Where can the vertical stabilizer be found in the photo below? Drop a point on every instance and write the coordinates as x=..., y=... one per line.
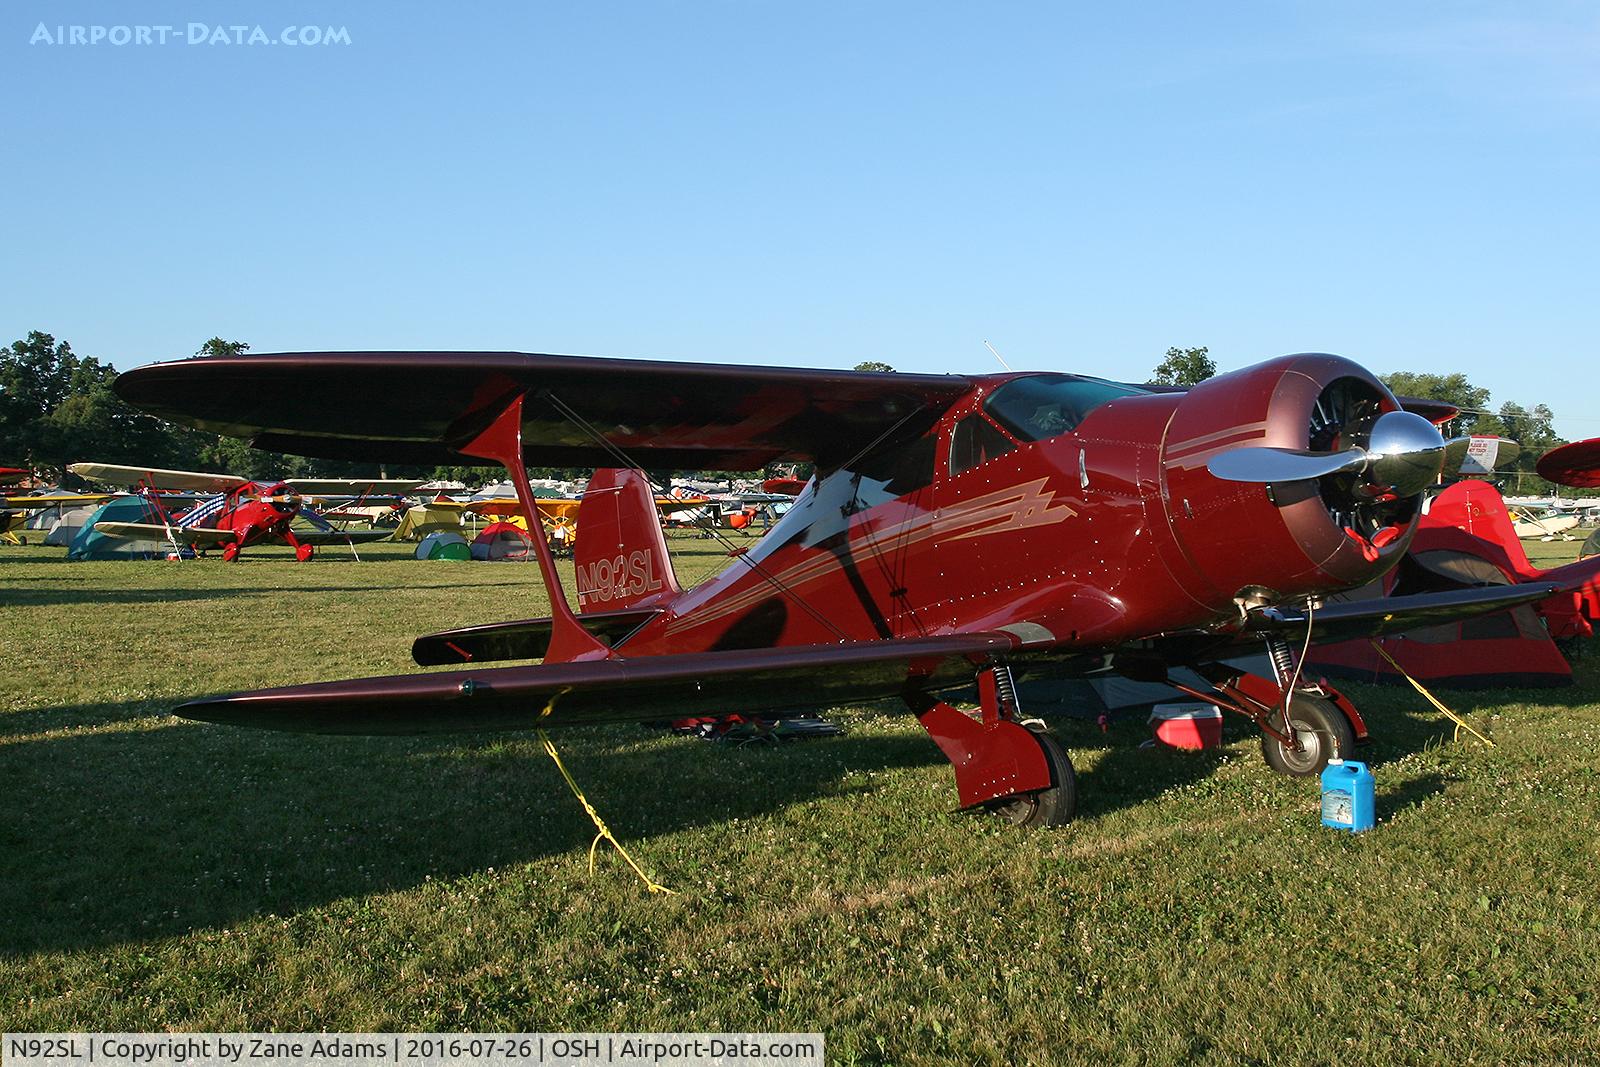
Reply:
x=621, y=554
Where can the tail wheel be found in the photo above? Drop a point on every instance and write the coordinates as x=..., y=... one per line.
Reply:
x=1322, y=730
x=1049, y=807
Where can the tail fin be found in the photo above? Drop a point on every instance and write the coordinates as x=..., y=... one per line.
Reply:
x=621, y=552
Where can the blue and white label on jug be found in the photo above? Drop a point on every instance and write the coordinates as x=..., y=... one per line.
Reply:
x=1338, y=806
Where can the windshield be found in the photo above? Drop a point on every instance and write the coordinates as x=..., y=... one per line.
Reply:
x=1048, y=405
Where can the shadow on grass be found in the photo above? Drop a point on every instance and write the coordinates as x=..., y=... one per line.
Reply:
x=30, y=597
x=146, y=834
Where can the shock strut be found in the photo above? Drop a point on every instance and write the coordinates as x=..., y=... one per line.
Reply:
x=1282, y=659
x=1005, y=688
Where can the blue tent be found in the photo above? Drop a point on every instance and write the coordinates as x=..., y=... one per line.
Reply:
x=91, y=544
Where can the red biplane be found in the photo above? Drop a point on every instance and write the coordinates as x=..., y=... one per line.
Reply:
x=960, y=531
x=242, y=512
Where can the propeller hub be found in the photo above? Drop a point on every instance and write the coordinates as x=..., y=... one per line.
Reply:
x=1405, y=454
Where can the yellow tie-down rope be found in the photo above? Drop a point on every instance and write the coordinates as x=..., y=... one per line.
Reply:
x=1461, y=724
x=599, y=823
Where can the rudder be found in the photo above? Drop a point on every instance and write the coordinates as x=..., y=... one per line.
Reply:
x=621, y=554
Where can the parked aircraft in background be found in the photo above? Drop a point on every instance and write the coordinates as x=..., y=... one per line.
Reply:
x=241, y=512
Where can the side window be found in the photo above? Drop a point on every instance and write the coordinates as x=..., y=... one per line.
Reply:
x=975, y=440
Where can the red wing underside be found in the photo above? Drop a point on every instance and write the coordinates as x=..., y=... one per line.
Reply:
x=753, y=681
x=423, y=407
x=1577, y=464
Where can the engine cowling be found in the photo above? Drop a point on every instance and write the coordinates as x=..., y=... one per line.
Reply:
x=1321, y=478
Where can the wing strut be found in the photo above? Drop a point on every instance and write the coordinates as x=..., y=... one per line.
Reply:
x=502, y=443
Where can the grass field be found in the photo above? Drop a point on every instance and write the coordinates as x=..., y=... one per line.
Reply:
x=159, y=873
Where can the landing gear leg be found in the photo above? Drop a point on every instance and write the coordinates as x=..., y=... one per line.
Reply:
x=1020, y=774
x=302, y=551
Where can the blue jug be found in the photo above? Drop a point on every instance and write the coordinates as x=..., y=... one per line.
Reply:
x=1347, y=796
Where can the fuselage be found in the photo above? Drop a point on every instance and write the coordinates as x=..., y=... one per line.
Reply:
x=1065, y=510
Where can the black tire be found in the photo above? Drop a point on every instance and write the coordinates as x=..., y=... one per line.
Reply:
x=1048, y=807
x=1323, y=732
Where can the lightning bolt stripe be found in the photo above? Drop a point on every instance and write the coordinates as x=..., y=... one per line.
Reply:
x=1017, y=507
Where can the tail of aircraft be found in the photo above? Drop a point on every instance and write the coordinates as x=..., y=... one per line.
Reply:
x=621, y=554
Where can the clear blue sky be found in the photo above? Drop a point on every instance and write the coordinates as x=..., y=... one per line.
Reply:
x=1084, y=184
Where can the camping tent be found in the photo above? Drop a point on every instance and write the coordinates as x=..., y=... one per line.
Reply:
x=89, y=543
x=60, y=522
x=442, y=544
x=1466, y=541
x=420, y=520
x=502, y=541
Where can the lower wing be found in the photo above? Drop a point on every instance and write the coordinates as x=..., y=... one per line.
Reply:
x=341, y=537
x=186, y=535
x=614, y=690
x=1387, y=615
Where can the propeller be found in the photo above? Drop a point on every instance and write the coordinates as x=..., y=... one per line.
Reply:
x=1403, y=456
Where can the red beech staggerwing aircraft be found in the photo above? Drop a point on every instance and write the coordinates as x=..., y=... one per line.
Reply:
x=243, y=512
x=960, y=531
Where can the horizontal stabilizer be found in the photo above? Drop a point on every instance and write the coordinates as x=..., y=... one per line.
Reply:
x=743, y=681
x=528, y=639
x=1387, y=615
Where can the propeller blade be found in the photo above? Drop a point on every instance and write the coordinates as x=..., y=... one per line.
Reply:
x=1282, y=464
x=1455, y=454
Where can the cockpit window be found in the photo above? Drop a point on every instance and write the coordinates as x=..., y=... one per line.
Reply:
x=974, y=441
x=1041, y=406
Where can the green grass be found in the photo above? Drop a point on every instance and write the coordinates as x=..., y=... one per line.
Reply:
x=165, y=874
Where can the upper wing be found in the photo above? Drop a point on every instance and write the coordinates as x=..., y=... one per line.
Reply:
x=613, y=690
x=154, y=531
x=1437, y=412
x=354, y=487
x=422, y=407
x=50, y=500
x=116, y=474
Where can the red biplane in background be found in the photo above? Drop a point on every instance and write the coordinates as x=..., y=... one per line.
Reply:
x=242, y=512
x=960, y=532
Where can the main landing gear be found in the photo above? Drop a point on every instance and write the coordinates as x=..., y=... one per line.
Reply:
x=1320, y=732
x=1322, y=722
x=1019, y=773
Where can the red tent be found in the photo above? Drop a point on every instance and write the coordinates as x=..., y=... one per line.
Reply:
x=502, y=540
x=1466, y=540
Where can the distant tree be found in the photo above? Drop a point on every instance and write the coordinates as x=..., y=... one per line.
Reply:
x=1451, y=389
x=1185, y=366
x=218, y=347
x=872, y=364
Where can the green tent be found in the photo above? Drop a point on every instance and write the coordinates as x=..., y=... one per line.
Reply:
x=92, y=544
